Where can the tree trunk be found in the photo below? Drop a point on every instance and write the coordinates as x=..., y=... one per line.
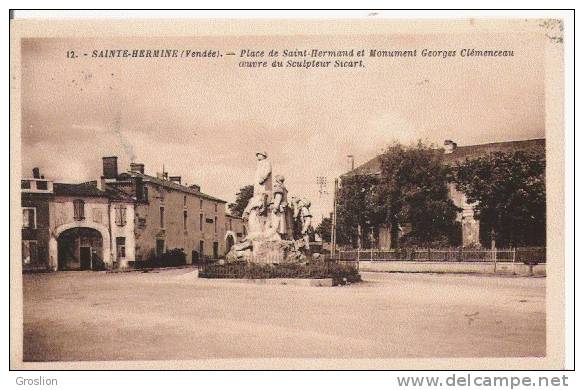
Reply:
x=394, y=235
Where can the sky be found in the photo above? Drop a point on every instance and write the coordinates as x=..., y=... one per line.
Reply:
x=204, y=119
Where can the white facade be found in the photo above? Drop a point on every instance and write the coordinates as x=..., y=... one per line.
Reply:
x=124, y=230
x=99, y=215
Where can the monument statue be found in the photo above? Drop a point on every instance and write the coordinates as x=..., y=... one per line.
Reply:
x=306, y=222
x=263, y=175
x=278, y=231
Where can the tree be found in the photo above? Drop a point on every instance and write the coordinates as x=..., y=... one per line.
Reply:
x=413, y=190
x=509, y=191
x=324, y=229
x=356, y=208
x=242, y=198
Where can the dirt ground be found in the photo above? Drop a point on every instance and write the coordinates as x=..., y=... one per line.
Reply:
x=171, y=314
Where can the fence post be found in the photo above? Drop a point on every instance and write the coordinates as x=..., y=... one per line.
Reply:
x=358, y=254
x=429, y=254
x=494, y=256
x=371, y=253
x=514, y=252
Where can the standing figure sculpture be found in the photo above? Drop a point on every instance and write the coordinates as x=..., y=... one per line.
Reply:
x=277, y=231
x=306, y=222
x=280, y=213
x=255, y=211
x=263, y=175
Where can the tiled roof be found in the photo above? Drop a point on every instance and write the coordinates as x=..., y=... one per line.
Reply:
x=83, y=189
x=175, y=186
x=118, y=195
x=373, y=166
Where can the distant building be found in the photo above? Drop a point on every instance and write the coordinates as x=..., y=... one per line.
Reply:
x=36, y=194
x=123, y=219
x=169, y=215
x=453, y=154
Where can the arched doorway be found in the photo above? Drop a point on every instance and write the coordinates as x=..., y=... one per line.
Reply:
x=229, y=241
x=80, y=248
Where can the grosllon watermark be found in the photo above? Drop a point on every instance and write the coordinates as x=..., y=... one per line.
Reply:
x=468, y=380
x=38, y=381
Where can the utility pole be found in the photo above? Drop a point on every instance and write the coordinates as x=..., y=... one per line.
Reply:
x=321, y=181
x=334, y=221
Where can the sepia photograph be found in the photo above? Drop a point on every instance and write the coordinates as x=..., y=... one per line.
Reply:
x=287, y=194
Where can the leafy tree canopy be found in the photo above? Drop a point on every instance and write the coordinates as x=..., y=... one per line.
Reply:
x=510, y=196
x=242, y=198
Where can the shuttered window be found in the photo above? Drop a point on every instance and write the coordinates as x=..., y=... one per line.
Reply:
x=78, y=209
x=120, y=215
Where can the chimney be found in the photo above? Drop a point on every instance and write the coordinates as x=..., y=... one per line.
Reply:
x=36, y=173
x=449, y=146
x=350, y=162
x=137, y=167
x=175, y=179
x=195, y=187
x=110, y=167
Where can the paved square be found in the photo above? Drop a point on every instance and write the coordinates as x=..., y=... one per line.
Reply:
x=170, y=314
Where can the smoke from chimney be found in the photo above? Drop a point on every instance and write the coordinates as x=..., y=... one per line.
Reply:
x=137, y=167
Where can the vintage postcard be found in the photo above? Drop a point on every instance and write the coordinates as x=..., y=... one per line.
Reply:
x=287, y=194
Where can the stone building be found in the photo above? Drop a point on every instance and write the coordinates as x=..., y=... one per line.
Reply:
x=124, y=218
x=169, y=215
x=90, y=228
x=453, y=154
x=36, y=194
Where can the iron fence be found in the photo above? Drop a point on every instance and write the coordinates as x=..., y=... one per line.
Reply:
x=533, y=255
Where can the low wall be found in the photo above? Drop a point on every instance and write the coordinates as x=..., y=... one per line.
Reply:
x=451, y=267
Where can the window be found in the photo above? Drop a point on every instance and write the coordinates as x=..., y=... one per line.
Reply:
x=146, y=193
x=42, y=185
x=120, y=248
x=215, y=207
x=29, y=252
x=201, y=222
x=185, y=217
x=185, y=201
x=78, y=209
x=230, y=224
x=29, y=217
x=25, y=184
x=201, y=204
x=162, y=217
x=215, y=224
x=120, y=215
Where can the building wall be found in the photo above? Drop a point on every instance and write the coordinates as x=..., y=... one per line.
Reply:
x=148, y=228
x=39, y=234
x=470, y=225
x=126, y=231
x=61, y=218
